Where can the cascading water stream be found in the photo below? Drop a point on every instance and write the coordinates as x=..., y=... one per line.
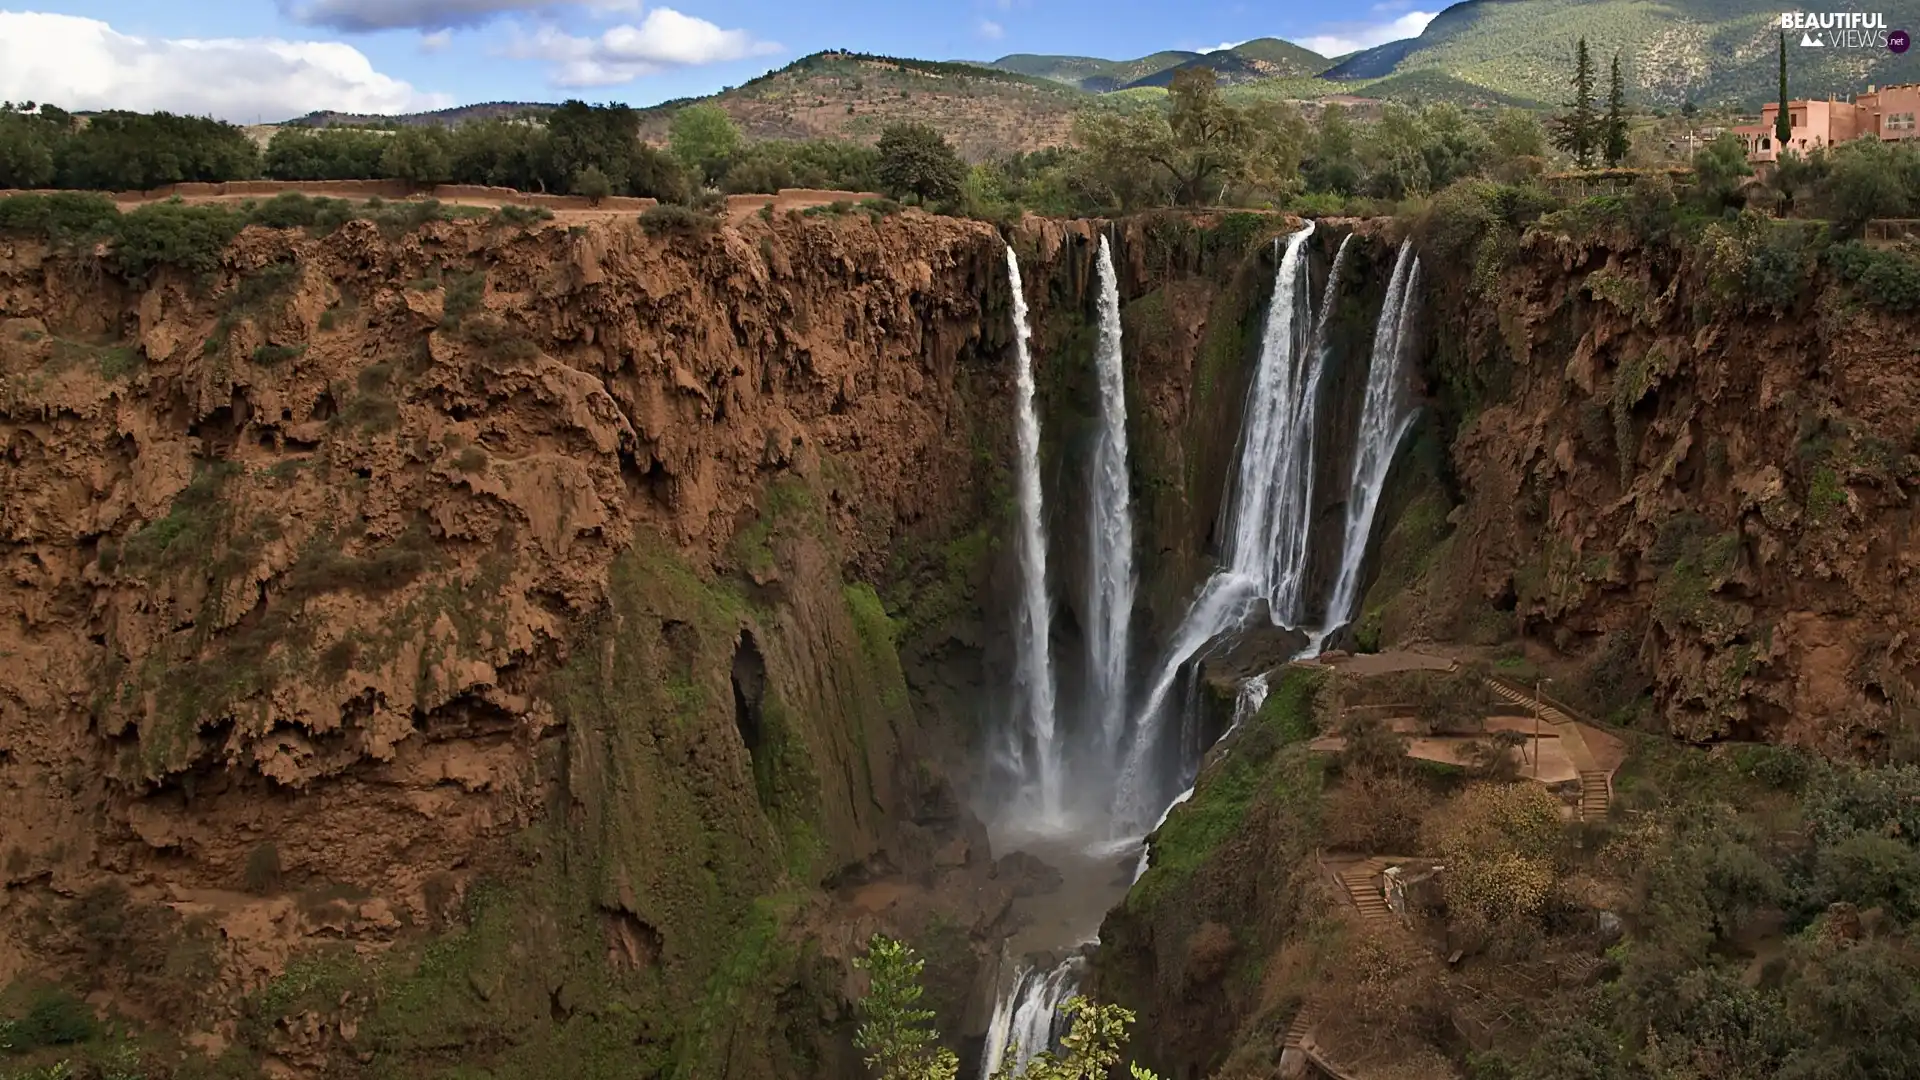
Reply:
x=1266, y=549
x=1384, y=420
x=1110, y=580
x=1028, y=1021
x=1246, y=704
x=1035, y=754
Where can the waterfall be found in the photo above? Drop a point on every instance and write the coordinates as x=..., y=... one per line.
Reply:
x=1036, y=756
x=1110, y=581
x=1267, y=544
x=1030, y=1016
x=1384, y=420
x=1246, y=705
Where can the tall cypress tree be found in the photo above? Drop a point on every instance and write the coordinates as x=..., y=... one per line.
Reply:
x=1783, y=124
x=1577, y=131
x=1615, y=148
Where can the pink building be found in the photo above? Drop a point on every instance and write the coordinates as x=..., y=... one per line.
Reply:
x=1885, y=113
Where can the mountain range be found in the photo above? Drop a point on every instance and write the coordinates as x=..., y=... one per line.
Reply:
x=1671, y=51
x=1476, y=53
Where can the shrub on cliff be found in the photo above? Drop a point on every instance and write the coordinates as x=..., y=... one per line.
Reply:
x=171, y=233
x=60, y=217
x=1888, y=279
x=1867, y=179
x=1498, y=841
x=669, y=219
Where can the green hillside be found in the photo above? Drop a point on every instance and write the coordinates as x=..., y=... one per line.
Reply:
x=1091, y=73
x=1708, y=51
x=1249, y=61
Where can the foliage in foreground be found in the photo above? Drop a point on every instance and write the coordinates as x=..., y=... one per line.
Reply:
x=900, y=1042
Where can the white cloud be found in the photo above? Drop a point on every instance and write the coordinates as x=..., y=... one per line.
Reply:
x=436, y=41
x=665, y=39
x=991, y=30
x=1223, y=46
x=80, y=63
x=1354, y=37
x=361, y=16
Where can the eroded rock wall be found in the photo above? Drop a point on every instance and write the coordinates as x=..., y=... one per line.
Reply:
x=1679, y=490
x=615, y=613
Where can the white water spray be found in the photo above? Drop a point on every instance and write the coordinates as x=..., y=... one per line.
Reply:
x=1110, y=580
x=1028, y=1021
x=1384, y=420
x=1035, y=753
x=1267, y=543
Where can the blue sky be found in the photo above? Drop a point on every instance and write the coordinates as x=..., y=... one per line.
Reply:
x=268, y=60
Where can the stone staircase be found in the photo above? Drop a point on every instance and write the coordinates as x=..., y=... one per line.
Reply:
x=1362, y=883
x=1298, y=1031
x=1596, y=786
x=1596, y=795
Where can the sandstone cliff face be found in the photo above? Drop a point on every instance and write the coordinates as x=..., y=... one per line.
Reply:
x=332, y=575
x=1679, y=492
x=618, y=607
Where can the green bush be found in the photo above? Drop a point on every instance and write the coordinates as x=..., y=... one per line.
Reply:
x=274, y=355
x=60, y=217
x=171, y=233
x=671, y=218
x=522, y=215
x=287, y=210
x=592, y=184
x=1886, y=278
x=53, y=1017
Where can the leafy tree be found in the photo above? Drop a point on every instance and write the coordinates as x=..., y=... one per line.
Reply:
x=1195, y=151
x=125, y=151
x=606, y=136
x=917, y=160
x=1718, y=168
x=1783, y=123
x=656, y=174
x=27, y=141
x=1868, y=179
x=1395, y=153
x=419, y=156
x=501, y=153
x=1795, y=175
x=1688, y=109
x=1453, y=145
x=593, y=184
x=1577, y=130
x=332, y=153
x=704, y=137
x=895, y=1032
x=1332, y=164
x=1615, y=143
x=1515, y=133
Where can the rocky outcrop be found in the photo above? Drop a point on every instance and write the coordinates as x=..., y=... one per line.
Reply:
x=1679, y=490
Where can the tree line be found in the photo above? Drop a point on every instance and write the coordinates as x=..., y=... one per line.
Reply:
x=575, y=148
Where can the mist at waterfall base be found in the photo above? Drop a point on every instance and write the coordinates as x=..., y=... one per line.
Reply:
x=1082, y=795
